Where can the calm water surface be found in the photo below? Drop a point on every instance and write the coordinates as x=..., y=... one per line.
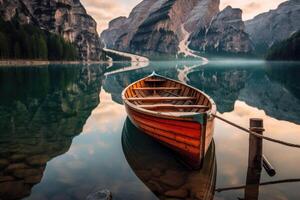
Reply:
x=64, y=133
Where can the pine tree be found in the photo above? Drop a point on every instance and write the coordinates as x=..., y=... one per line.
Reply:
x=17, y=50
x=42, y=48
x=4, y=50
x=30, y=42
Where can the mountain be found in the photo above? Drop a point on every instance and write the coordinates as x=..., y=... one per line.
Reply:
x=157, y=27
x=273, y=26
x=225, y=34
x=167, y=28
x=122, y=29
x=278, y=51
x=113, y=32
x=164, y=29
x=67, y=18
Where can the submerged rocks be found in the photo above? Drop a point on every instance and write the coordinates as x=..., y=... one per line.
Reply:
x=22, y=173
x=100, y=195
x=225, y=34
x=3, y=163
x=38, y=160
x=14, y=189
x=173, y=178
x=16, y=166
x=180, y=193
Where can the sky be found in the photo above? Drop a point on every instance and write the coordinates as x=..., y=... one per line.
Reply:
x=105, y=10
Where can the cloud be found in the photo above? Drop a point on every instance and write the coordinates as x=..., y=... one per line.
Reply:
x=251, y=8
x=104, y=11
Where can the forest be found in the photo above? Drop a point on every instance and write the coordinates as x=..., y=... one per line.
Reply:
x=30, y=42
x=288, y=49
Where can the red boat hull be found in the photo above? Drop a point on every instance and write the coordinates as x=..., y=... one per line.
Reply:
x=187, y=137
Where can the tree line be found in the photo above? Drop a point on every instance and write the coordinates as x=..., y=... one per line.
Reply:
x=288, y=49
x=19, y=41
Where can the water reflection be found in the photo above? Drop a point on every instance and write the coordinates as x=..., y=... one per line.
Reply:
x=42, y=110
x=159, y=169
x=242, y=91
x=95, y=161
x=253, y=84
x=232, y=154
x=271, y=87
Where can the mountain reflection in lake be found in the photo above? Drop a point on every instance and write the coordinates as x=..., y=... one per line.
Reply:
x=42, y=110
x=61, y=131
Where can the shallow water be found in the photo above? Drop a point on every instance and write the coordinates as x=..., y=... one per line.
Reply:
x=64, y=133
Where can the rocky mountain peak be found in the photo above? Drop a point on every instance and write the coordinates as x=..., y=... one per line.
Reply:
x=117, y=22
x=118, y=35
x=228, y=12
x=276, y=25
x=155, y=27
x=225, y=34
x=228, y=17
x=159, y=27
x=161, y=33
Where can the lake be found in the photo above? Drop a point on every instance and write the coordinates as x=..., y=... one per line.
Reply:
x=65, y=133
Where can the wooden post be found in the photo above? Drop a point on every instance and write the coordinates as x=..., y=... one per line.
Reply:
x=255, y=143
x=254, y=160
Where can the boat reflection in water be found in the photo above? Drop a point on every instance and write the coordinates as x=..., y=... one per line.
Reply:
x=162, y=172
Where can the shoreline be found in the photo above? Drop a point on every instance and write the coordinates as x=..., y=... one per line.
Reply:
x=42, y=63
x=26, y=63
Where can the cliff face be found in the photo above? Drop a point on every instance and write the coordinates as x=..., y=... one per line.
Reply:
x=225, y=34
x=113, y=32
x=201, y=15
x=275, y=25
x=156, y=27
x=67, y=18
x=161, y=32
x=122, y=29
x=199, y=20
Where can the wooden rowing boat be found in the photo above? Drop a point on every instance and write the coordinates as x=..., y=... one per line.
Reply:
x=175, y=114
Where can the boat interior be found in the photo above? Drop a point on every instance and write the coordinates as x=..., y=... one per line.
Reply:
x=159, y=94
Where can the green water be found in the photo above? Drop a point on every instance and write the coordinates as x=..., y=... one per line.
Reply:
x=64, y=133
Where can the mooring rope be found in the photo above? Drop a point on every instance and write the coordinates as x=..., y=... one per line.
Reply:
x=256, y=134
x=260, y=184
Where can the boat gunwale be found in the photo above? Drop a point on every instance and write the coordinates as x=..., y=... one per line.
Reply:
x=171, y=115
